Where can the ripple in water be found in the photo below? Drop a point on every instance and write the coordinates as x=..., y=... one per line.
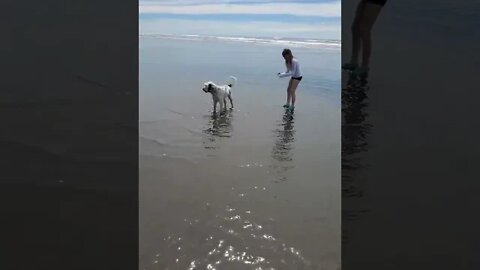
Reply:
x=228, y=240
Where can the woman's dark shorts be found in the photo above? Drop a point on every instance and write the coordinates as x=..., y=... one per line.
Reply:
x=377, y=2
x=297, y=78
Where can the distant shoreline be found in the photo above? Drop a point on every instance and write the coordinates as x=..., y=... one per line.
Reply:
x=291, y=42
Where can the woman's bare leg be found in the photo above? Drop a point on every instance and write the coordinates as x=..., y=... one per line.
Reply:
x=370, y=15
x=289, y=95
x=293, y=88
x=356, y=34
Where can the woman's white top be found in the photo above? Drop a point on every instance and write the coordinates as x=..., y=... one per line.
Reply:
x=294, y=71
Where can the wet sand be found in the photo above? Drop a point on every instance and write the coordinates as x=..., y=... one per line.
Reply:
x=254, y=188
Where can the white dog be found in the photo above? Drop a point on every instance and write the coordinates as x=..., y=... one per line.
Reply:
x=220, y=93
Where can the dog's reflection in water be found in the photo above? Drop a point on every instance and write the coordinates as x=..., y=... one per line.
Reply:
x=218, y=126
x=282, y=150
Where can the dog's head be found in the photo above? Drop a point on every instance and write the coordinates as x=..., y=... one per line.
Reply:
x=208, y=87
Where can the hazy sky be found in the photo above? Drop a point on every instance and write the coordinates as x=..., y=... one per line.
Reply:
x=281, y=18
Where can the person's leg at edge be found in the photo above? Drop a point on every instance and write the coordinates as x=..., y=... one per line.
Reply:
x=370, y=15
x=356, y=35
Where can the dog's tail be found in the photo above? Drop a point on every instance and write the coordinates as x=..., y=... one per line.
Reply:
x=232, y=81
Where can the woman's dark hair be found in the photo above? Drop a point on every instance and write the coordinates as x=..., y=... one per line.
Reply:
x=285, y=52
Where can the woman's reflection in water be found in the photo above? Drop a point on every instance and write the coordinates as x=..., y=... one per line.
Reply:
x=355, y=130
x=282, y=151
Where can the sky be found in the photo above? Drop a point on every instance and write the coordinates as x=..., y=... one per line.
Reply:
x=315, y=19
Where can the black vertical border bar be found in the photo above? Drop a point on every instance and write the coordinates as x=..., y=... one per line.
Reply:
x=410, y=141
x=69, y=134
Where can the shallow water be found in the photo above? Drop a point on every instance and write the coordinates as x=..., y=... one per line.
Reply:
x=252, y=189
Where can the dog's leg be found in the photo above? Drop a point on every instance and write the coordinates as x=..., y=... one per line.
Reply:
x=214, y=106
x=231, y=101
x=221, y=105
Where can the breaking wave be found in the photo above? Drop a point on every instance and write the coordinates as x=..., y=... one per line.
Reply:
x=291, y=42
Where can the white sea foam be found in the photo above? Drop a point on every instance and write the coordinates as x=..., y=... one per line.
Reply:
x=306, y=43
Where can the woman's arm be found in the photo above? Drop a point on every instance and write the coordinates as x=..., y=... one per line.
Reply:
x=289, y=72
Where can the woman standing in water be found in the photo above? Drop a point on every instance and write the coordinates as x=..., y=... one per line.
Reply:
x=293, y=70
x=366, y=15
